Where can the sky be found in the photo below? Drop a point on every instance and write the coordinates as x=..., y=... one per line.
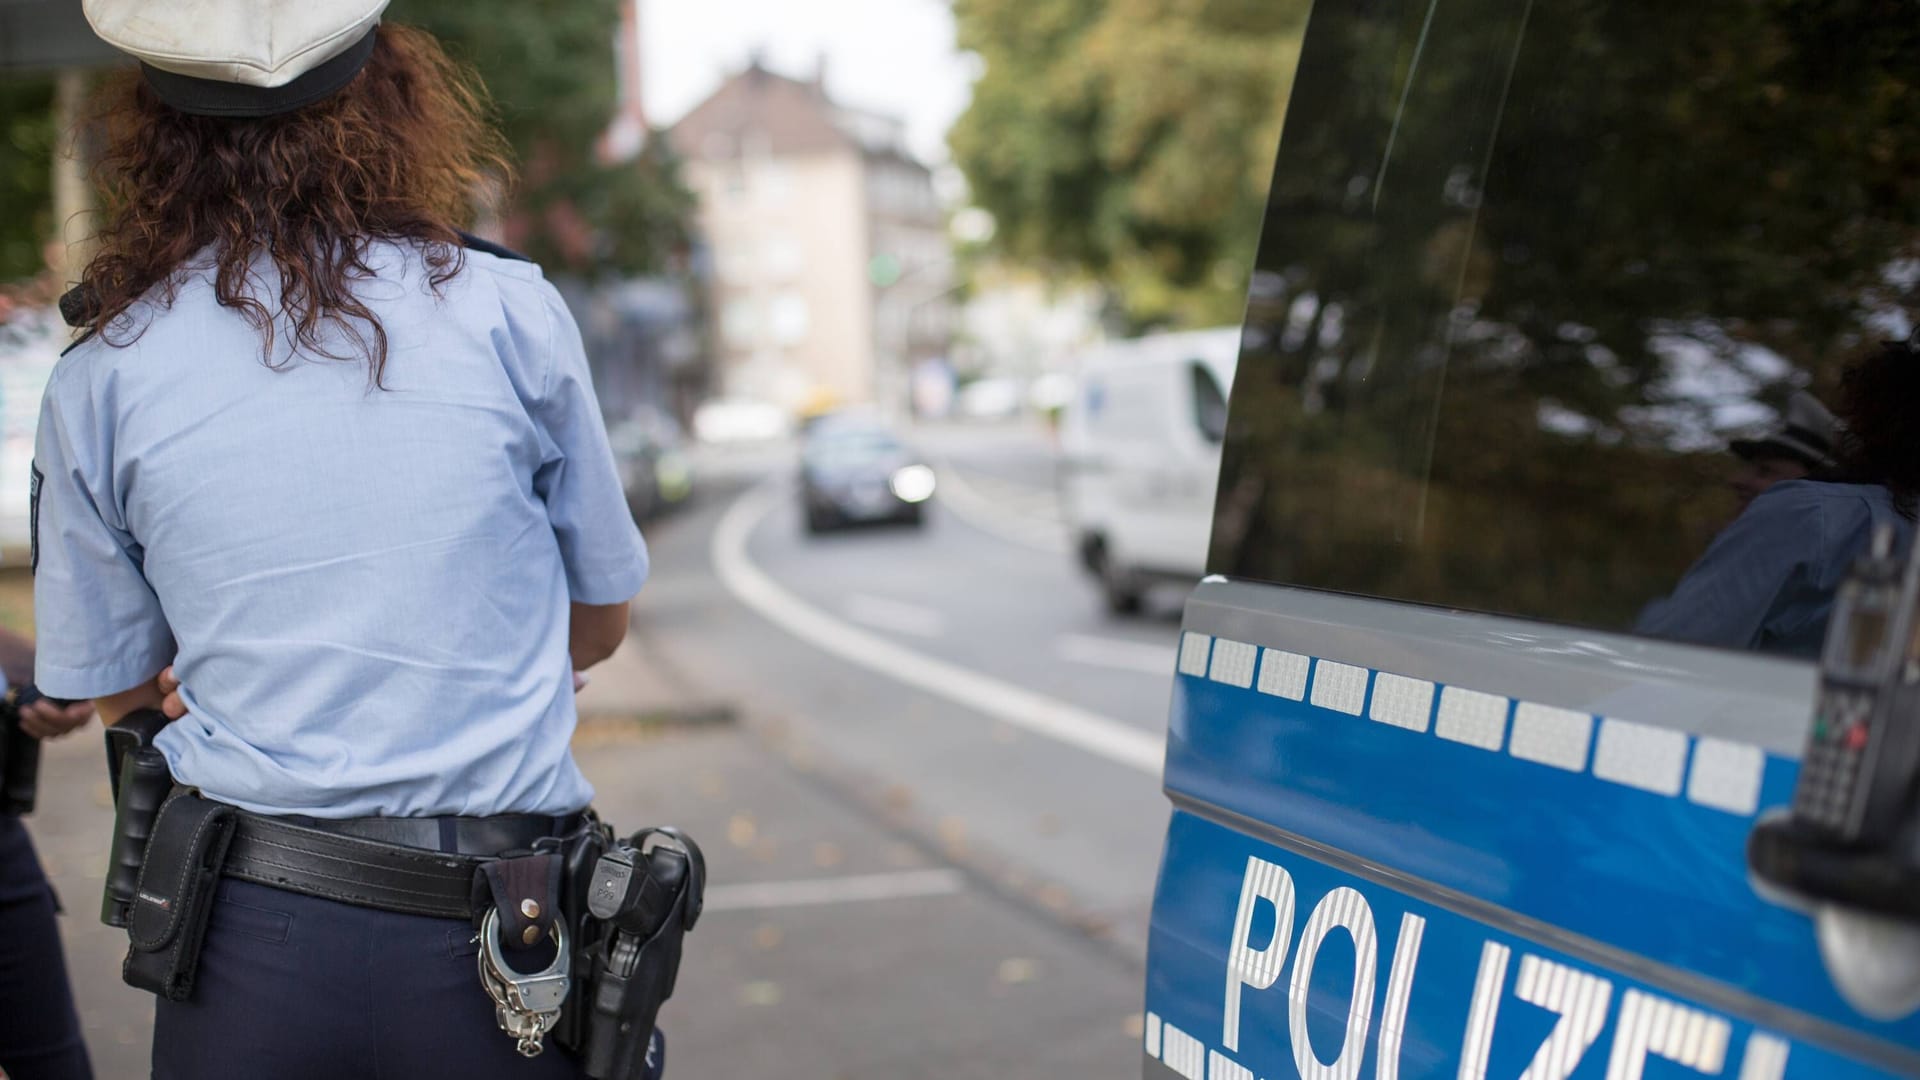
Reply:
x=894, y=56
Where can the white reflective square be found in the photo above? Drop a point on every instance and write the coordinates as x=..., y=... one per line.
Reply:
x=1726, y=775
x=1639, y=755
x=1550, y=736
x=1401, y=701
x=1283, y=674
x=1222, y=1067
x=1233, y=662
x=1153, y=1035
x=1341, y=687
x=1471, y=717
x=1183, y=1053
x=1193, y=653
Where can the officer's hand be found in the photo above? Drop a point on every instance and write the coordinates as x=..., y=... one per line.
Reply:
x=171, y=703
x=45, y=720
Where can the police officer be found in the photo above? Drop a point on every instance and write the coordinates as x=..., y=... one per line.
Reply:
x=343, y=469
x=40, y=1039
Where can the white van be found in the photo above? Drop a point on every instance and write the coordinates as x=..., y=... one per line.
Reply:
x=1141, y=457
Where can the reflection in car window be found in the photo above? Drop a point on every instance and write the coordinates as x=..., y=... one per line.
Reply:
x=1209, y=404
x=1528, y=271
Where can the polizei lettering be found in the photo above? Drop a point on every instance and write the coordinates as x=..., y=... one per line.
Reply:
x=1625, y=1026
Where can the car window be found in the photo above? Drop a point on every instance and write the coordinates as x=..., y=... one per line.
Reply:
x=1531, y=273
x=851, y=447
x=1209, y=403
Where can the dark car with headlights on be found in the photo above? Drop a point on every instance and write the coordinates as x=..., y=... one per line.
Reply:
x=856, y=474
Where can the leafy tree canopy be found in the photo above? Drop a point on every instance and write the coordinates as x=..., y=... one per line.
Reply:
x=1130, y=140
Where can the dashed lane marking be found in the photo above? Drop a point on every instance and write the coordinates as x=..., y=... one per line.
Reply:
x=1039, y=714
x=1116, y=653
x=898, y=616
x=851, y=888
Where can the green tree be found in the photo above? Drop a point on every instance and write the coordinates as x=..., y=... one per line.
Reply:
x=1130, y=140
x=550, y=70
x=26, y=174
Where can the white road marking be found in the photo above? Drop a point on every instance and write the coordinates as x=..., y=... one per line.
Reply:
x=884, y=614
x=1044, y=532
x=1116, y=653
x=1045, y=716
x=853, y=888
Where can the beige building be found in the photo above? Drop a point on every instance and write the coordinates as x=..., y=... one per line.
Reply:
x=831, y=274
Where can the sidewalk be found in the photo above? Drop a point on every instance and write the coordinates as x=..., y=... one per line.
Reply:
x=834, y=947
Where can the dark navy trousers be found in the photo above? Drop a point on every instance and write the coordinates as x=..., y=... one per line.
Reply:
x=293, y=987
x=39, y=1031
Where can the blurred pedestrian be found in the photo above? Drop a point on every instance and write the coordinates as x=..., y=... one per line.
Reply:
x=342, y=467
x=1801, y=444
x=40, y=1038
x=1767, y=581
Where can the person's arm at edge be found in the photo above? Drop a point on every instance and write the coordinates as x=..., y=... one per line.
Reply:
x=115, y=707
x=595, y=631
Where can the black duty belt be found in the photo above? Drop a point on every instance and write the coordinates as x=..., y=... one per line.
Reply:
x=421, y=866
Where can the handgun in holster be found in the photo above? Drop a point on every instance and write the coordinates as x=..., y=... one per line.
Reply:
x=644, y=893
x=140, y=781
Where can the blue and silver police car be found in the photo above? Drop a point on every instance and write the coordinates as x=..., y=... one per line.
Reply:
x=1501, y=665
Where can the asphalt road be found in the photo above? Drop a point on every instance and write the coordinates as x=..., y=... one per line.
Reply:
x=986, y=595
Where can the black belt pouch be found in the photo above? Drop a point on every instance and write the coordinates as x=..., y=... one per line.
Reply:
x=175, y=894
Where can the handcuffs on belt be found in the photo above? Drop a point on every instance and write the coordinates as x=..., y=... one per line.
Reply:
x=526, y=1005
x=625, y=908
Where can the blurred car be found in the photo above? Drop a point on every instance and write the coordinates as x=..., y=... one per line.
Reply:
x=854, y=472
x=655, y=472
x=739, y=420
x=994, y=398
x=1141, y=457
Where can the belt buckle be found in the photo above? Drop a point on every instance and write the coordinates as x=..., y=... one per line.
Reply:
x=527, y=1005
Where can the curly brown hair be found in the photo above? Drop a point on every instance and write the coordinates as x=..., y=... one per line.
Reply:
x=1879, y=426
x=401, y=153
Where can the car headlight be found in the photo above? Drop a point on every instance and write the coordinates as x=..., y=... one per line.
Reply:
x=912, y=483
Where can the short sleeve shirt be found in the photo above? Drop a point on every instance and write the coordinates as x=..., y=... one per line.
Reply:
x=364, y=590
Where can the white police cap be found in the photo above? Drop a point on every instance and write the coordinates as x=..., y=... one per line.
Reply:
x=241, y=57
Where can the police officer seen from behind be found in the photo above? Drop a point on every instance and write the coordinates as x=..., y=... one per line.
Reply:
x=39, y=1031
x=344, y=470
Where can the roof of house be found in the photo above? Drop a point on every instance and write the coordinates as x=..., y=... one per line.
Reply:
x=766, y=112
x=794, y=117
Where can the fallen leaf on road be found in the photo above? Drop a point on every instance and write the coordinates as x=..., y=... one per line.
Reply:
x=826, y=855
x=760, y=992
x=1017, y=969
x=741, y=831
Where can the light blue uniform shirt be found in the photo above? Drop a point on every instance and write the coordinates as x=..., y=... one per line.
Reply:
x=364, y=591
x=1767, y=582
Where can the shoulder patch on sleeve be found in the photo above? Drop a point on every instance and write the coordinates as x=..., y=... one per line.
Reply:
x=33, y=521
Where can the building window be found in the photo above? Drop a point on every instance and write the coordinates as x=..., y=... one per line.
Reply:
x=734, y=263
x=783, y=258
x=739, y=323
x=787, y=319
x=774, y=182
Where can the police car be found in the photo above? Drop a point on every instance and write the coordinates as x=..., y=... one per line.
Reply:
x=1467, y=758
